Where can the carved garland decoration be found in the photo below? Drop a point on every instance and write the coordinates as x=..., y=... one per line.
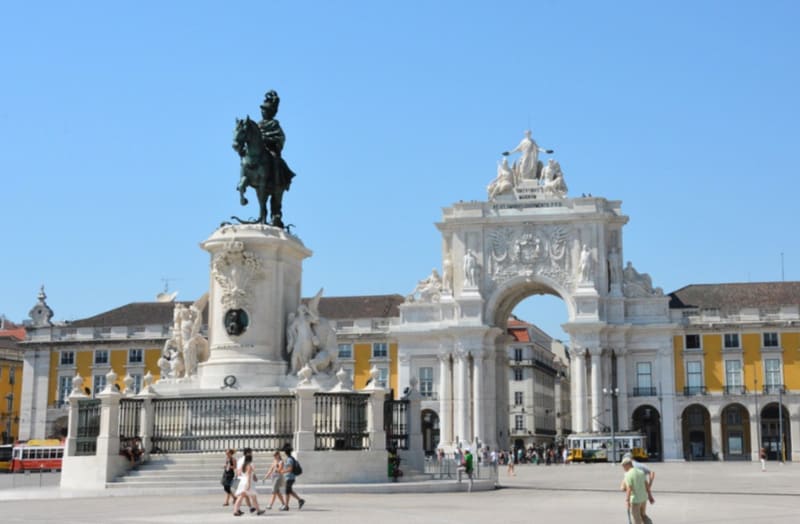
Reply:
x=234, y=269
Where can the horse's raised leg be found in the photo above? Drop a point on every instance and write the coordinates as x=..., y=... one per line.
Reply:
x=241, y=188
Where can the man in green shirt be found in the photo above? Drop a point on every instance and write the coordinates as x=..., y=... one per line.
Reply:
x=635, y=492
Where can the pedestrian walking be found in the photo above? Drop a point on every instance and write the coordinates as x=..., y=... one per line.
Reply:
x=228, y=474
x=291, y=469
x=249, y=490
x=275, y=475
x=762, y=456
x=635, y=492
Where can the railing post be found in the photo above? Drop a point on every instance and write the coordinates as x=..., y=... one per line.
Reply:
x=108, y=439
x=304, y=434
x=415, y=454
x=377, y=434
x=147, y=416
x=75, y=396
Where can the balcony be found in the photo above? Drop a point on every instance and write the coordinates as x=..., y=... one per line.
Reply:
x=644, y=392
x=774, y=389
x=689, y=391
x=734, y=390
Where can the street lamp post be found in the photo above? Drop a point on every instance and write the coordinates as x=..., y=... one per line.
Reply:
x=612, y=392
x=780, y=424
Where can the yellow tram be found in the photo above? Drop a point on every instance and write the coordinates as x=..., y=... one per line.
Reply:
x=599, y=447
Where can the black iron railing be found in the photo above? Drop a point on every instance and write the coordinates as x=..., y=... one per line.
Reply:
x=644, y=392
x=774, y=389
x=735, y=390
x=130, y=410
x=214, y=424
x=694, y=390
x=88, y=427
x=395, y=422
x=340, y=421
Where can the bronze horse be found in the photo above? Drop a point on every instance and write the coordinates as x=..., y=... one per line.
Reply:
x=259, y=170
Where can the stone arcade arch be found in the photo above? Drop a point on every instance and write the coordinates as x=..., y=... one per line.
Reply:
x=529, y=238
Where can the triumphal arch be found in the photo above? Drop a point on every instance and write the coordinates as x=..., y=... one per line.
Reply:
x=530, y=237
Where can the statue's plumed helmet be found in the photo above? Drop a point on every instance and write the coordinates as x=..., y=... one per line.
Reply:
x=271, y=99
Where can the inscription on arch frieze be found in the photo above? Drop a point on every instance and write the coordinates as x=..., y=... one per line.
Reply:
x=531, y=250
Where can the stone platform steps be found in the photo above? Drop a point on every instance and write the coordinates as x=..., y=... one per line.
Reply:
x=201, y=472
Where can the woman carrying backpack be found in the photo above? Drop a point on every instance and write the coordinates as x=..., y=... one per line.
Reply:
x=291, y=468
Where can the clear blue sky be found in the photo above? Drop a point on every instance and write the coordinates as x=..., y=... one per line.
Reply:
x=116, y=121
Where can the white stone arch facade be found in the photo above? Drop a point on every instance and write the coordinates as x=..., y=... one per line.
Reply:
x=521, y=243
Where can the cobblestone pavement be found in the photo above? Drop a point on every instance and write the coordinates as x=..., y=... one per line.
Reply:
x=685, y=492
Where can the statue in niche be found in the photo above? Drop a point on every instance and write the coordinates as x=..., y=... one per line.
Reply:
x=637, y=284
x=585, y=264
x=310, y=339
x=529, y=165
x=503, y=183
x=428, y=289
x=260, y=147
x=472, y=270
x=614, y=266
x=447, y=275
x=186, y=348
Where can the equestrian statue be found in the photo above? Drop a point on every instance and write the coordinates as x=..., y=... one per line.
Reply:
x=262, y=166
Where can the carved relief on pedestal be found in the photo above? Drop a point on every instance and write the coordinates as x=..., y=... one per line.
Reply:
x=235, y=269
x=530, y=251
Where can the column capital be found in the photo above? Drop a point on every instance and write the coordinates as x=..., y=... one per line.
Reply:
x=576, y=353
x=595, y=351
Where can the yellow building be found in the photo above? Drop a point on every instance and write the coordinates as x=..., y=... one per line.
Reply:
x=10, y=388
x=737, y=369
x=130, y=339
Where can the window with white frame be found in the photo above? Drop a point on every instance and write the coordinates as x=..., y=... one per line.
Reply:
x=519, y=422
x=692, y=341
x=644, y=375
x=12, y=375
x=694, y=376
x=731, y=341
x=733, y=373
x=772, y=374
x=380, y=350
x=101, y=356
x=771, y=339
x=426, y=382
x=67, y=358
x=64, y=389
x=135, y=355
x=517, y=354
x=518, y=398
x=98, y=383
x=517, y=373
x=383, y=378
x=346, y=351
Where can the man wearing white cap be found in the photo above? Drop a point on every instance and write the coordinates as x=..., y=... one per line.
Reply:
x=635, y=492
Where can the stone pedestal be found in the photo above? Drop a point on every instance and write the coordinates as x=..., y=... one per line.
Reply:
x=255, y=283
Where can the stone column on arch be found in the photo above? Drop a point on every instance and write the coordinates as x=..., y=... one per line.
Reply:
x=478, y=426
x=623, y=419
x=445, y=400
x=597, y=389
x=461, y=397
x=579, y=390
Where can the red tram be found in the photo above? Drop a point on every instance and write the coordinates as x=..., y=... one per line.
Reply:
x=37, y=455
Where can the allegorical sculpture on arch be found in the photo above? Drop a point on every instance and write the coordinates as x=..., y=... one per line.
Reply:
x=527, y=177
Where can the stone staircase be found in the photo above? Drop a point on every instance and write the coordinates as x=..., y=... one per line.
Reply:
x=199, y=473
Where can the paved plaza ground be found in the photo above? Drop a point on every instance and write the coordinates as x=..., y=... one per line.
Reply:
x=685, y=492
